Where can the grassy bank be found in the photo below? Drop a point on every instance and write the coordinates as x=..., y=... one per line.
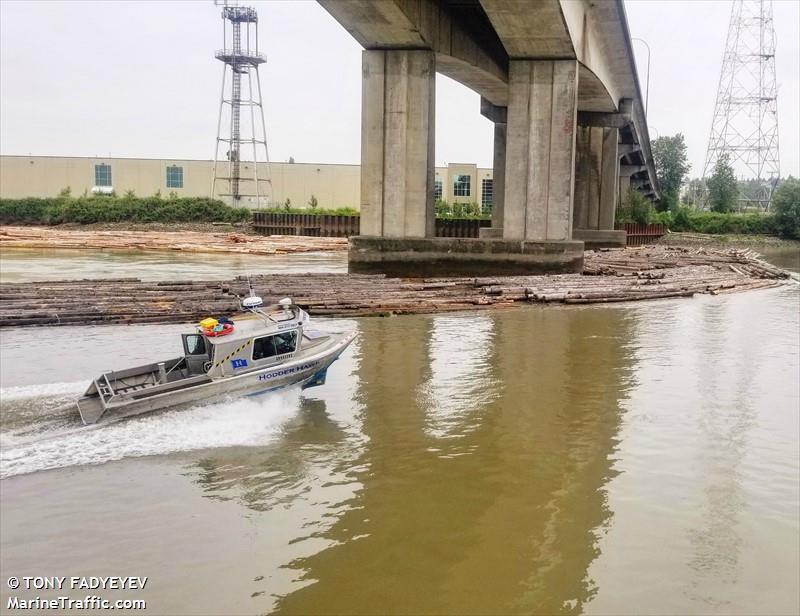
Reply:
x=783, y=222
x=308, y=211
x=725, y=240
x=443, y=210
x=112, y=209
x=714, y=223
x=783, y=219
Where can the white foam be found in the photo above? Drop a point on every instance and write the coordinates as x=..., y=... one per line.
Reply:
x=42, y=390
x=235, y=422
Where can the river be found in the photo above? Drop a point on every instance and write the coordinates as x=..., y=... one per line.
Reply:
x=639, y=458
x=25, y=264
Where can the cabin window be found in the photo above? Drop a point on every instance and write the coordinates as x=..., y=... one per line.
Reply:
x=285, y=342
x=263, y=348
x=195, y=344
x=279, y=344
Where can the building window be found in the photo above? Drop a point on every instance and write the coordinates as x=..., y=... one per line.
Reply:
x=174, y=177
x=486, y=195
x=437, y=189
x=461, y=186
x=102, y=175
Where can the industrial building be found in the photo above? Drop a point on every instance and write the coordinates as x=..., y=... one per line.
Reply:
x=333, y=186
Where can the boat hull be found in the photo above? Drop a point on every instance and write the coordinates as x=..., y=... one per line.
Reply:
x=302, y=370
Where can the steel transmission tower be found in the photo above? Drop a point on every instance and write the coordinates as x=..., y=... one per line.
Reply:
x=237, y=175
x=745, y=125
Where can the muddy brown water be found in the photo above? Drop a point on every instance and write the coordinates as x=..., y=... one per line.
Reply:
x=639, y=458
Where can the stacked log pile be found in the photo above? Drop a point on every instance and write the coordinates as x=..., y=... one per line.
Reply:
x=610, y=276
x=188, y=241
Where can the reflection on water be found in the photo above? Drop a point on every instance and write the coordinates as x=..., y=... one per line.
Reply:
x=708, y=462
x=29, y=264
x=460, y=384
x=633, y=459
x=517, y=493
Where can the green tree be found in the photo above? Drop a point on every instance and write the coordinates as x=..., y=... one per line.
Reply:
x=672, y=167
x=786, y=206
x=723, y=189
x=313, y=203
x=694, y=192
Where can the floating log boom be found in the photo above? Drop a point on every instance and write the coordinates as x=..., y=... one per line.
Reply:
x=649, y=272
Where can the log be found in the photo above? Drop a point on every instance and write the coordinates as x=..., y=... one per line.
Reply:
x=615, y=275
x=185, y=241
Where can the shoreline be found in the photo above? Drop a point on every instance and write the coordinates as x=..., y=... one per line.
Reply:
x=697, y=240
x=222, y=240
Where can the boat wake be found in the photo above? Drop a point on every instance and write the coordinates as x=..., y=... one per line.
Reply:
x=40, y=428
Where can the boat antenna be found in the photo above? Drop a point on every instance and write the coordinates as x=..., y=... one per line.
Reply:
x=253, y=302
x=250, y=292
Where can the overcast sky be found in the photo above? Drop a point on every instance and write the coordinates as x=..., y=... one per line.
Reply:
x=138, y=79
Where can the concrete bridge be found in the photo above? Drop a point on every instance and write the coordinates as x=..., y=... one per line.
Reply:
x=557, y=78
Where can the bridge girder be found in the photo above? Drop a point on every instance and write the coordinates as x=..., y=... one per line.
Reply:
x=474, y=40
x=562, y=68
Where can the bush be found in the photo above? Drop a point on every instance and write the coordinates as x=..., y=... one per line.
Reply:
x=786, y=208
x=129, y=208
x=682, y=219
x=716, y=223
x=460, y=210
x=635, y=208
x=288, y=209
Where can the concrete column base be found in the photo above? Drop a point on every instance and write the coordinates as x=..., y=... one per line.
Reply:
x=602, y=238
x=446, y=256
x=490, y=233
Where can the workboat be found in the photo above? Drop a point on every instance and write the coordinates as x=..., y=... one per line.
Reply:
x=268, y=348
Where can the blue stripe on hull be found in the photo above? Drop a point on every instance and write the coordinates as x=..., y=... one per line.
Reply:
x=300, y=382
x=264, y=391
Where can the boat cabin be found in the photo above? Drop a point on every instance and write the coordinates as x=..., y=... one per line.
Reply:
x=254, y=342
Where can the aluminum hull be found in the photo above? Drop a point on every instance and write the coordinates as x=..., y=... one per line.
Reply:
x=304, y=368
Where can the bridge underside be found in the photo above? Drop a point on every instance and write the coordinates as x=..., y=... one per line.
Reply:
x=556, y=79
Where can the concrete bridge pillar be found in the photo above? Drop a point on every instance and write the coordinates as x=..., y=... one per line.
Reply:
x=397, y=143
x=499, y=116
x=625, y=173
x=536, y=146
x=596, y=191
x=499, y=175
x=624, y=186
x=540, y=150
